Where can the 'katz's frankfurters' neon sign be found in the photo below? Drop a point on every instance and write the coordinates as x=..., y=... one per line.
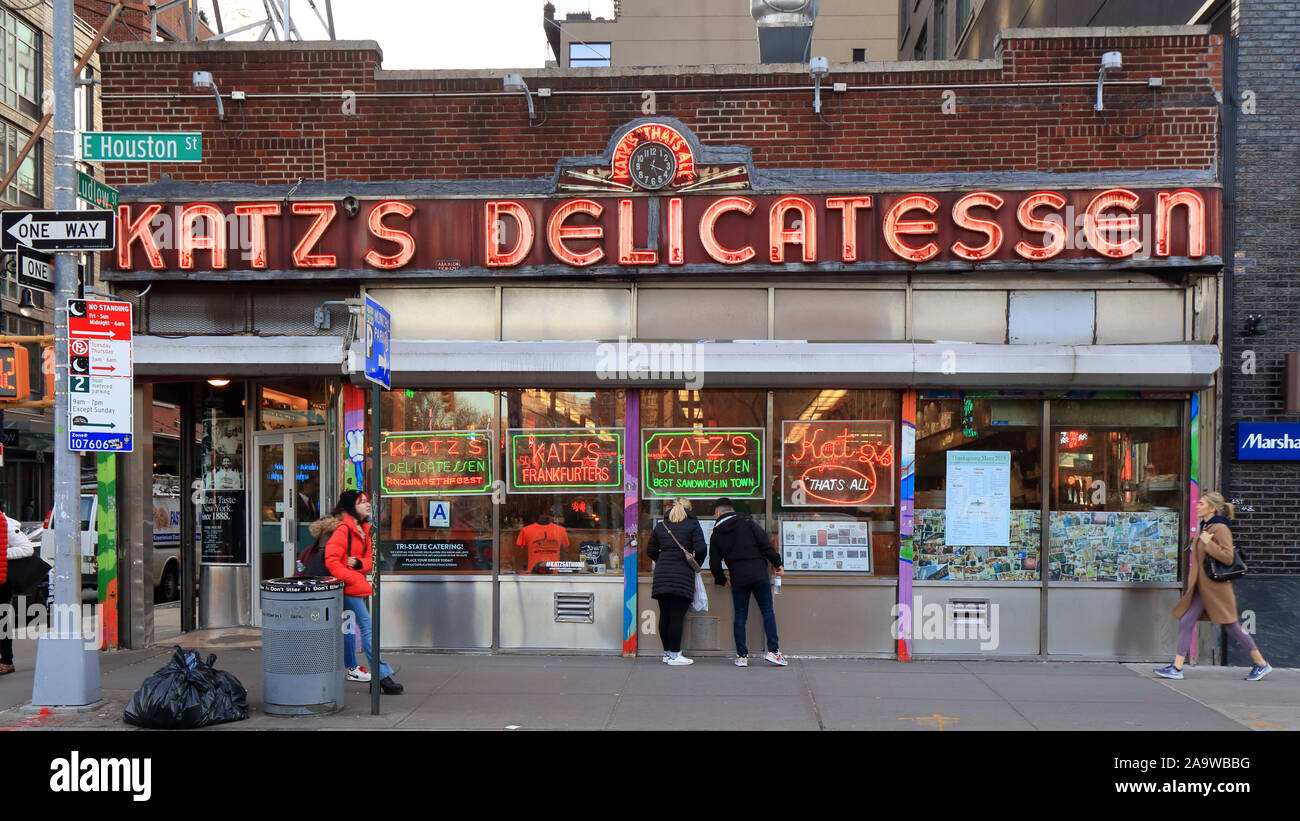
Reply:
x=837, y=463
x=844, y=231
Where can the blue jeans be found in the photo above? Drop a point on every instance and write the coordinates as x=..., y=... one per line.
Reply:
x=357, y=606
x=740, y=601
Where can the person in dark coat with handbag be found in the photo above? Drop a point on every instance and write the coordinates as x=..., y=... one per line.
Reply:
x=1207, y=599
x=747, y=550
x=672, y=539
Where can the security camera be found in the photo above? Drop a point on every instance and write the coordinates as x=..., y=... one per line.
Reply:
x=1112, y=61
x=350, y=206
x=819, y=67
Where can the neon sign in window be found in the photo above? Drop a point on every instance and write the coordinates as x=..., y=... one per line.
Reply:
x=831, y=463
x=435, y=463
x=550, y=460
x=699, y=464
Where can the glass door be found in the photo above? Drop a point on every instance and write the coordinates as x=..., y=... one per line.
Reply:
x=288, y=471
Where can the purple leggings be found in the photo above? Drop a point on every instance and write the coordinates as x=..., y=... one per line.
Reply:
x=1188, y=622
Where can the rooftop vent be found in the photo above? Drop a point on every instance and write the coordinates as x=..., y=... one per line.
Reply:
x=785, y=29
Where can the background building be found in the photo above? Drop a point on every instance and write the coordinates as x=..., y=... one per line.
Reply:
x=713, y=32
x=965, y=29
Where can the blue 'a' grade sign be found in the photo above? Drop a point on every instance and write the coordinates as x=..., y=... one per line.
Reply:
x=378, y=341
x=1272, y=441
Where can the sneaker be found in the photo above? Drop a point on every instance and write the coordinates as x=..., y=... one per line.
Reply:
x=6, y=669
x=358, y=674
x=680, y=661
x=1257, y=672
x=665, y=657
x=389, y=687
x=742, y=661
x=775, y=657
x=1169, y=671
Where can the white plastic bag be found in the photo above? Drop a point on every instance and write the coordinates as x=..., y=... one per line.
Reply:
x=701, y=601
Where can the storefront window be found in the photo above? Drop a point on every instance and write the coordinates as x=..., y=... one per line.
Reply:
x=436, y=480
x=1117, y=490
x=835, y=480
x=223, y=502
x=978, y=503
x=564, y=456
x=292, y=403
x=701, y=445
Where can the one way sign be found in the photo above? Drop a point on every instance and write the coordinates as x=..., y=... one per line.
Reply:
x=57, y=230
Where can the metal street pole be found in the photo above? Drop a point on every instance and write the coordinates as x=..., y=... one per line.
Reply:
x=67, y=664
x=375, y=398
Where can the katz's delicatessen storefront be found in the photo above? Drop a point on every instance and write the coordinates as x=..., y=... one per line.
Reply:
x=981, y=400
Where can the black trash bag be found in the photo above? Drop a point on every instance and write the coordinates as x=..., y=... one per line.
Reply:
x=187, y=693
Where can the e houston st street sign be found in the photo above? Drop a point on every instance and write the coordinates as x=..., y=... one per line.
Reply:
x=141, y=146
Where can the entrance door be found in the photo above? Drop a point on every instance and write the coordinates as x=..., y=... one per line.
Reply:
x=288, y=470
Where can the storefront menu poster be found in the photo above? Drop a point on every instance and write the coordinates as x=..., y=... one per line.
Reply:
x=221, y=528
x=833, y=463
x=558, y=460
x=978, y=498
x=700, y=464
x=435, y=463
x=826, y=546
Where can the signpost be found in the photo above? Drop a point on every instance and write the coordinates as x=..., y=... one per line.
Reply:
x=95, y=192
x=378, y=331
x=63, y=230
x=140, y=146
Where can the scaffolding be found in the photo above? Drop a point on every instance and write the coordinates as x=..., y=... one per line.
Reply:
x=278, y=24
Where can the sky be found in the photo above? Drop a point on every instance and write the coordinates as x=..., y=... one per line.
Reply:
x=429, y=34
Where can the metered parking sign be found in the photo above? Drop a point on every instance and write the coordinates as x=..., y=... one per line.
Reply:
x=99, y=414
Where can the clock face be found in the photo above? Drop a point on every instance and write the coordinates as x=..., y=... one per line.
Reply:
x=652, y=165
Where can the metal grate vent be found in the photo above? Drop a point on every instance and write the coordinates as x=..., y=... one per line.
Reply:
x=969, y=612
x=575, y=608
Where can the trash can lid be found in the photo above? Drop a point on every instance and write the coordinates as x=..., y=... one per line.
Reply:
x=302, y=584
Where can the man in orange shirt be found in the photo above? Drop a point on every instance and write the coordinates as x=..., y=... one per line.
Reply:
x=544, y=540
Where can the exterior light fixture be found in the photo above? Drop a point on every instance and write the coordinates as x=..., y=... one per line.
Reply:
x=1255, y=325
x=819, y=68
x=218, y=383
x=203, y=79
x=27, y=305
x=1110, y=61
x=515, y=82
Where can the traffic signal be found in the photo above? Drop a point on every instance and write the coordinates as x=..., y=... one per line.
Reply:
x=15, y=383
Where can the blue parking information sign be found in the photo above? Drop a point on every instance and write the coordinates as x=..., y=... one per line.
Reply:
x=379, y=327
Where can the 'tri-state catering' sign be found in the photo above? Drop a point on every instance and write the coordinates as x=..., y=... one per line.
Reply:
x=616, y=231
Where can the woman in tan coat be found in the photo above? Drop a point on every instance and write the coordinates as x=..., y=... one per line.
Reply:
x=1207, y=598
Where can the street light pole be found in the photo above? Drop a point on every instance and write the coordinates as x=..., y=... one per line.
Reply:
x=67, y=662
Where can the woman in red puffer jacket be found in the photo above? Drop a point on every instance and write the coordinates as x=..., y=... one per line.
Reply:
x=349, y=559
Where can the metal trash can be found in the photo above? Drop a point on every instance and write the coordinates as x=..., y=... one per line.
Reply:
x=302, y=646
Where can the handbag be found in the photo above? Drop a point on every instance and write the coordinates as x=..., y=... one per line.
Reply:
x=26, y=574
x=1218, y=571
x=690, y=558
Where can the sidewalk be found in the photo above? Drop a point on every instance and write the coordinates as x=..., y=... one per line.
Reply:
x=533, y=692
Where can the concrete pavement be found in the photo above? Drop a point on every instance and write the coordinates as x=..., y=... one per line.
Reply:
x=574, y=692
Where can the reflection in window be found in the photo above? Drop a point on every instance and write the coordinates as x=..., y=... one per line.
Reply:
x=427, y=530
x=576, y=527
x=859, y=461
x=1002, y=544
x=1117, y=491
x=292, y=403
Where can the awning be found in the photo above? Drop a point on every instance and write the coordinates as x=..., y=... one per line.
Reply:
x=238, y=357
x=782, y=363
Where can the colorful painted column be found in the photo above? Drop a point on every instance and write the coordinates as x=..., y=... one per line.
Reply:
x=906, y=496
x=106, y=549
x=354, y=438
x=631, y=518
x=1196, y=494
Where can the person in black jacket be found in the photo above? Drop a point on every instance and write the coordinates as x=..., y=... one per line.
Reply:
x=747, y=550
x=674, y=578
